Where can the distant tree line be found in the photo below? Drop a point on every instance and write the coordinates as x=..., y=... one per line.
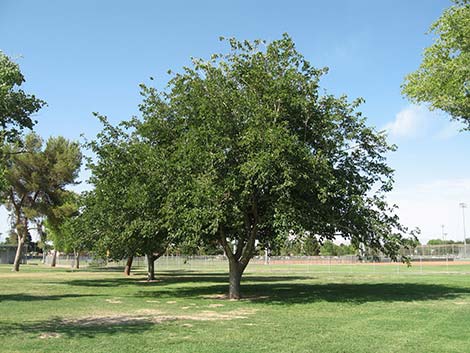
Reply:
x=446, y=242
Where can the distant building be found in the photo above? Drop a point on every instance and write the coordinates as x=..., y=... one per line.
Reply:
x=8, y=252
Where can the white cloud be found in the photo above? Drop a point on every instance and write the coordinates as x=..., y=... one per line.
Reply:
x=417, y=120
x=410, y=122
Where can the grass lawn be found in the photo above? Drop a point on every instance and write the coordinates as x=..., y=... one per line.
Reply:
x=55, y=310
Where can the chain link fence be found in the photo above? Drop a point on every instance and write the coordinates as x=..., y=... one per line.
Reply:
x=424, y=259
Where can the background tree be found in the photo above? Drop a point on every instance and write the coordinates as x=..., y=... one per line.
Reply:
x=125, y=205
x=257, y=153
x=36, y=181
x=42, y=243
x=62, y=227
x=16, y=108
x=300, y=245
x=443, y=78
x=331, y=249
x=445, y=242
x=71, y=237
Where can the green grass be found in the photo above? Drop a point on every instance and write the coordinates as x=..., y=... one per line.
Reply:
x=305, y=309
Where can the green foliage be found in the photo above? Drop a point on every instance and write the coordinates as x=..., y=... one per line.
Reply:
x=446, y=242
x=331, y=249
x=11, y=238
x=37, y=178
x=189, y=247
x=16, y=108
x=66, y=226
x=257, y=152
x=443, y=79
x=307, y=245
x=124, y=209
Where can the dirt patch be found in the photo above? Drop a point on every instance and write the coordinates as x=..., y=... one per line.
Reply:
x=111, y=320
x=208, y=315
x=215, y=296
x=113, y=301
x=225, y=297
x=156, y=317
x=171, y=302
x=215, y=305
x=47, y=335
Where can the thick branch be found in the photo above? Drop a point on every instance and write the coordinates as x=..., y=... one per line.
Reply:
x=240, y=246
x=225, y=245
x=250, y=243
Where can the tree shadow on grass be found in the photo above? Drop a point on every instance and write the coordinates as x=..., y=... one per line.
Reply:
x=85, y=327
x=269, y=289
x=98, y=269
x=20, y=297
x=173, y=277
x=304, y=293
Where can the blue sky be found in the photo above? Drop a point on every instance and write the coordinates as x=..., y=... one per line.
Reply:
x=85, y=56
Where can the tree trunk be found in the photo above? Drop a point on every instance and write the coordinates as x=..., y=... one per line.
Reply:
x=236, y=271
x=54, y=258
x=42, y=238
x=150, y=267
x=77, y=259
x=19, y=254
x=127, y=269
x=238, y=260
x=21, y=232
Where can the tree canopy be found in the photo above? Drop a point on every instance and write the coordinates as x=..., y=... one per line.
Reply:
x=257, y=152
x=67, y=229
x=125, y=207
x=36, y=181
x=16, y=108
x=443, y=78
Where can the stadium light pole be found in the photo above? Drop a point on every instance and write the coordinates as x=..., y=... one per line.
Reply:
x=464, y=206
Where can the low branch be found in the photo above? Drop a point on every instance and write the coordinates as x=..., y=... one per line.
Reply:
x=225, y=245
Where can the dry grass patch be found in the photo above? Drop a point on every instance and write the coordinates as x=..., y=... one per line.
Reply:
x=47, y=335
x=244, y=298
x=113, y=301
x=155, y=317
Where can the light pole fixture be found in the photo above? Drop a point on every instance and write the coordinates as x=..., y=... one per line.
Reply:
x=463, y=206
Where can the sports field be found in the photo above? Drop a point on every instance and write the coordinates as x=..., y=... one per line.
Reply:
x=299, y=308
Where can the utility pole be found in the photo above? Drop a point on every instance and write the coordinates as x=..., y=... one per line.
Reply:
x=464, y=206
